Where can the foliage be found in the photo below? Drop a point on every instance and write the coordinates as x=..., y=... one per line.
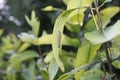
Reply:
x=91, y=61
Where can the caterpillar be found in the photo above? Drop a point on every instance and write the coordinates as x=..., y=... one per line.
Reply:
x=59, y=39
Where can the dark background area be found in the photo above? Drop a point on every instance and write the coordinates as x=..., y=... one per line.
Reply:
x=12, y=14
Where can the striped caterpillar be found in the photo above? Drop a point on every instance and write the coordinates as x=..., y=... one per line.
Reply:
x=59, y=39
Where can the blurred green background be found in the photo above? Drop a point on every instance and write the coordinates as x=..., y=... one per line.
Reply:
x=12, y=14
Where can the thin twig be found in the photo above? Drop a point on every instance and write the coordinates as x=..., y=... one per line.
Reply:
x=94, y=17
x=39, y=50
x=98, y=14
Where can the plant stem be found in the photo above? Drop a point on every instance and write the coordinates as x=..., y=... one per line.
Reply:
x=94, y=17
x=104, y=44
x=98, y=14
x=108, y=59
x=39, y=50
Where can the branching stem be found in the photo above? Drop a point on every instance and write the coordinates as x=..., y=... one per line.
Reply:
x=107, y=52
x=98, y=14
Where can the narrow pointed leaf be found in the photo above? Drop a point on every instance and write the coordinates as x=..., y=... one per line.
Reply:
x=34, y=23
x=23, y=47
x=11, y=73
x=57, y=33
x=53, y=69
x=72, y=72
x=48, y=39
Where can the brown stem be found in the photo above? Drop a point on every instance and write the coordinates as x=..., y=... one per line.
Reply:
x=98, y=14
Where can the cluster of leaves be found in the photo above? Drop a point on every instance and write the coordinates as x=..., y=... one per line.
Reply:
x=58, y=64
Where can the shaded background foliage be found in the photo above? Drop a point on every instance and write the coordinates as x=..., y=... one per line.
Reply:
x=13, y=13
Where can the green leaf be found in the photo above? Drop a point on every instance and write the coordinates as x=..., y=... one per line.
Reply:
x=98, y=37
x=53, y=69
x=11, y=73
x=77, y=16
x=70, y=41
x=116, y=64
x=28, y=73
x=57, y=33
x=42, y=69
x=66, y=57
x=23, y=47
x=48, y=39
x=66, y=1
x=34, y=23
x=78, y=3
x=59, y=26
x=72, y=27
x=44, y=40
x=50, y=56
x=44, y=75
x=115, y=48
x=41, y=64
x=68, y=62
x=48, y=8
x=106, y=15
x=112, y=31
x=72, y=72
x=86, y=53
x=18, y=58
x=93, y=74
